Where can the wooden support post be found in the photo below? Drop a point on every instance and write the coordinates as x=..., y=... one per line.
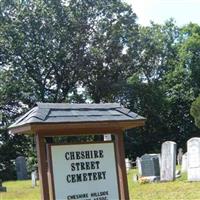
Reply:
x=123, y=183
x=42, y=165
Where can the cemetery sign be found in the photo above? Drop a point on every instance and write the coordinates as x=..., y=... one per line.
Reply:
x=94, y=171
x=85, y=171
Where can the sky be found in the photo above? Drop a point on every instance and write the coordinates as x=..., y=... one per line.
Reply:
x=183, y=11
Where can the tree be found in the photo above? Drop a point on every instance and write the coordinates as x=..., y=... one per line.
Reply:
x=162, y=89
x=50, y=48
x=57, y=46
x=190, y=54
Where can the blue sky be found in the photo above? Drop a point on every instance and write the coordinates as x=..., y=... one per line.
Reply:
x=183, y=11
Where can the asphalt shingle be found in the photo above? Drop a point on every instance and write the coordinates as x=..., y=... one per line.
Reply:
x=70, y=113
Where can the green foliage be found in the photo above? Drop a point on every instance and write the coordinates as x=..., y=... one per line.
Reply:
x=11, y=147
x=162, y=89
x=51, y=49
x=195, y=111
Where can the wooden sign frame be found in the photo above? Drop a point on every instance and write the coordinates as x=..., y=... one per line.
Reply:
x=50, y=165
x=46, y=189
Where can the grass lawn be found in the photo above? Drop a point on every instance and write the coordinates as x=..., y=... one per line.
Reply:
x=180, y=189
x=177, y=190
x=20, y=190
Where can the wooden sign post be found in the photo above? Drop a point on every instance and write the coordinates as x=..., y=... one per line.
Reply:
x=92, y=171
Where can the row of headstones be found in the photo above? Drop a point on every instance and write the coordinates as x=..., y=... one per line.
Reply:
x=159, y=167
x=164, y=166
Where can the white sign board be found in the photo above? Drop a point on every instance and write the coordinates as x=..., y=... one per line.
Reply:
x=84, y=171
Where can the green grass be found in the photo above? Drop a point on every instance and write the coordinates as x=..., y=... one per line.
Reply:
x=20, y=190
x=180, y=189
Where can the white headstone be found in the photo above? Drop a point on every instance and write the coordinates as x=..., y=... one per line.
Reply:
x=34, y=178
x=184, y=163
x=193, y=158
x=138, y=164
x=168, y=161
x=128, y=164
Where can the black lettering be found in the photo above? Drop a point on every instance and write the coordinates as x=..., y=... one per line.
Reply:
x=91, y=154
x=104, y=174
x=82, y=166
x=82, y=155
x=78, y=178
x=67, y=156
x=95, y=176
x=87, y=165
x=68, y=179
x=73, y=176
x=85, y=177
x=92, y=165
x=78, y=155
x=72, y=157
x=90, y=176
x=101, y=154
x=87, y=154
x=77, y=166
x=97, y=163
x=95, y=154
x=73, y=168
x=99, y=175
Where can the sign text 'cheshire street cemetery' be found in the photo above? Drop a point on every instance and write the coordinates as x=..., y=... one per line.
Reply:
x=84, y=171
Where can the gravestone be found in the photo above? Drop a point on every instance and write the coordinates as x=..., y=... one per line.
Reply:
x=128, y=164
x=193, y=159
x=2, y=189
x=34, y=178
x=21, y=168
x=150, y=165
x=168, y=161
x=138, y=165
x=179, y=156
x=184, y=163
x=156, y=155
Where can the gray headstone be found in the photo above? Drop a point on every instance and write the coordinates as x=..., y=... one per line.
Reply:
x=168, y=161
x=184, y=163
x=2, y=189
x=193, y=158
x=179, y=156
x=21, y=168
x=150, y=165
x=156, y=155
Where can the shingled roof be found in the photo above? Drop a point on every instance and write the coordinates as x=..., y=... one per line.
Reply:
x=54, y=113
